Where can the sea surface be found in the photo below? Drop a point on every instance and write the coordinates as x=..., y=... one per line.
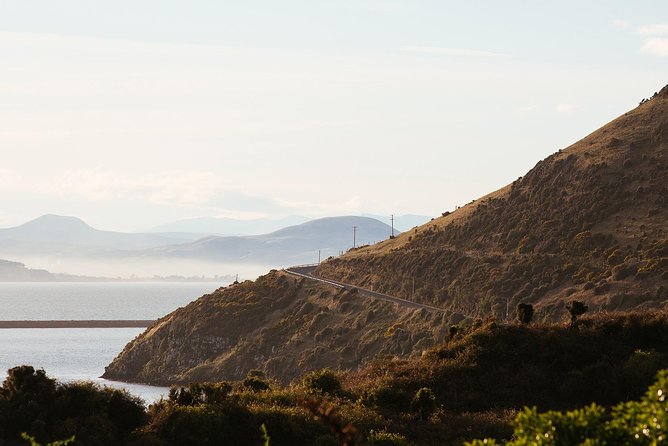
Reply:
x=74, y=354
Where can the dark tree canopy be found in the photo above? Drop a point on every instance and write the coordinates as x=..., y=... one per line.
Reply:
x=524, y=313
x=576, y=308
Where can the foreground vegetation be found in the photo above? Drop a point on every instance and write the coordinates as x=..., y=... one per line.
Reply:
x=474, y=385
x=643, y=422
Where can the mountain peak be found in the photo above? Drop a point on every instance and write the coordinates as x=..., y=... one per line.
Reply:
x=57, y=222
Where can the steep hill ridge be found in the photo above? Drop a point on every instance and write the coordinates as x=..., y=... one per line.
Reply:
x=278, y=323
x=588, y=222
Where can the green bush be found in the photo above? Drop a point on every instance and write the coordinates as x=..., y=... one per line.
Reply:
x=255, y=384
x=199, y=393
x=641, y=368
x=388, y=397
x=382, y=438
x=424, y=402
x=644, y=422
x=524, y=313
x=32, y=403
x=322, y=381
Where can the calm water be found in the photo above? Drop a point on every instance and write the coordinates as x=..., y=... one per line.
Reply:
x=74, y=301
x=71, y=354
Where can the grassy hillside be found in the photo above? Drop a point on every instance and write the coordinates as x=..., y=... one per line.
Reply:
x=589, y=222
x=279, y=323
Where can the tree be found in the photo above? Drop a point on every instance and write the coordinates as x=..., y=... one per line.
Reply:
x=524, y=313
x=576, y=308
x=453, y=331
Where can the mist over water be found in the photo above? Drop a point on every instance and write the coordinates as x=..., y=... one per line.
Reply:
x=142, y=267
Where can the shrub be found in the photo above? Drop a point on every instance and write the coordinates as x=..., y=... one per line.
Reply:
x=255, y=384
x=388, y=397
x=576, y=308
x=34, y=442
x=382, y=438
x=641, y=422
x=424, y=402
x=199, y=393
x=33, y=403
x=622, y=271
x=524, y=313
x=322, y=381
x=641, y=368
x=452, y=331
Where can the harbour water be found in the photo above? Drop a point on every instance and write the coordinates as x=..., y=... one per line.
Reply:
x=74, y=354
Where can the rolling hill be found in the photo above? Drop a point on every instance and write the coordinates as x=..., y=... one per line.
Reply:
x=58, y=237
x=227, y=226
x=287, y=246
x=56, y=234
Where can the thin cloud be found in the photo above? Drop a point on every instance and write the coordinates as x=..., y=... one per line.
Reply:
x=565, y=109
x=454, y=52
x=10, y=179
x=656, y=47
x=621, y=24
x=175, y=188
x=657, y=29
x=351, y=206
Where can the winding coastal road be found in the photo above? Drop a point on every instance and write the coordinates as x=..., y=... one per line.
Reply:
x=306, y=271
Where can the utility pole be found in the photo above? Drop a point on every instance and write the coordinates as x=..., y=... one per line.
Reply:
x=354, y=236
x=392, y=218
x=318, y=257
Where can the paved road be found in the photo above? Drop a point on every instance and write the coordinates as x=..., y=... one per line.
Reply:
x=307, y=272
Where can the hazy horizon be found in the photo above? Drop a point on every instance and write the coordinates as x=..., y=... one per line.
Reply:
x=132, y=114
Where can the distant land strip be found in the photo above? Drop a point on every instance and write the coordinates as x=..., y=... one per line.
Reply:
x=77, y=324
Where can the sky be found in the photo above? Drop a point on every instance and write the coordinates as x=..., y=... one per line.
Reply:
x=129, y=114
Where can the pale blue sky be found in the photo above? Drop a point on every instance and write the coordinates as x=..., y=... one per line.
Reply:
x=132, y=113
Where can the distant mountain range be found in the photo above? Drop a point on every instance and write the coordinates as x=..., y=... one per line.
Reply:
x=294, y=244
x=193, y=227
x=55, y=233
x=226, y=226
x=54, y=238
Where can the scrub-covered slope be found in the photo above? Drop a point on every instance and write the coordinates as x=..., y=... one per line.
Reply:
x=278, y=323
x=590, y=222
x=587, y=223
